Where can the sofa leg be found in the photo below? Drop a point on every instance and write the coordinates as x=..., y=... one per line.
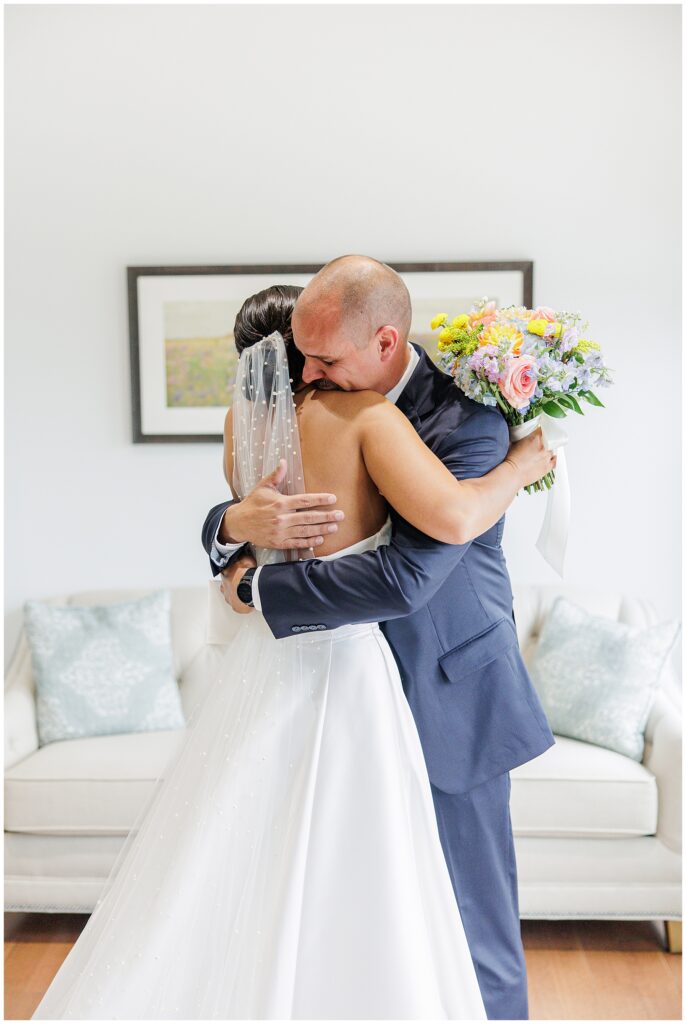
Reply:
x=673, y=936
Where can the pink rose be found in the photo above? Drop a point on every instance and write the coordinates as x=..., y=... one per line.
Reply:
x=518, y=382
x=544, y=313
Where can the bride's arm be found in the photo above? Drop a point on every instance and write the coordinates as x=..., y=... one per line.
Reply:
x=422, y=489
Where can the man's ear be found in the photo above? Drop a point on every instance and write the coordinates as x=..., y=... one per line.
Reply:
x=387, y=340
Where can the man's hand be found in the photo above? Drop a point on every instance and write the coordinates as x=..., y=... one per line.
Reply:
x=269, y=519
x=230, y=578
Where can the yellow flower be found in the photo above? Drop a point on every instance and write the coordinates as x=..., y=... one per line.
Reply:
x=446, y=336
x=537, y=327
x=584, y=345
x=497, y=333
x=540, y=327
x=438, y=321
x=461, y=321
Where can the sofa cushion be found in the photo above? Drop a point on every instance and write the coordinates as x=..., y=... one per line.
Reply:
x=597, y=678
x=104, y=669
x=94, y=785
x=579, y=789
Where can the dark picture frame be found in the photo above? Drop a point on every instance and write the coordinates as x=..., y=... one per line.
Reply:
x=180, y=330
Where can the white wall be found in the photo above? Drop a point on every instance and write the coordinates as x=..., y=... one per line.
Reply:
x=219, y=134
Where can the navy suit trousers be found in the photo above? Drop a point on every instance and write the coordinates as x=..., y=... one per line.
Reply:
x=476, y=834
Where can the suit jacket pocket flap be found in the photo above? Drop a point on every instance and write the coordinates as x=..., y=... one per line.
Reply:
x=479, y=650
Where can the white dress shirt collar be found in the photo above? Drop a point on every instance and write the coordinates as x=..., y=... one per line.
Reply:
x=394, y=394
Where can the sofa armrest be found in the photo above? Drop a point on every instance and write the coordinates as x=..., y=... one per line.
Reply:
x=21, y=730
x=663, y=759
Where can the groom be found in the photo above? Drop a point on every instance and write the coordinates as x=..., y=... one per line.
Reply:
x=446, y=610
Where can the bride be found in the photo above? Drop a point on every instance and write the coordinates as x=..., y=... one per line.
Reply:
x=288, y=865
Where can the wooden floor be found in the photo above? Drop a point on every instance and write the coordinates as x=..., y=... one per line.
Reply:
x=581, y=970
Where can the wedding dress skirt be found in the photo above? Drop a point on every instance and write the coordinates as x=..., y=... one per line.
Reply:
x=289, y=864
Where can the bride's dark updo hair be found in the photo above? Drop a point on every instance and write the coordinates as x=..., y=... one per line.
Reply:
x=268, y=311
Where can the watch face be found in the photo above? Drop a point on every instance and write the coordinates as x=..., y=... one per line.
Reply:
x=244, y=589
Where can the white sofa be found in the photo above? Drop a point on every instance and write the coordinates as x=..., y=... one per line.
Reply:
x=597, y=835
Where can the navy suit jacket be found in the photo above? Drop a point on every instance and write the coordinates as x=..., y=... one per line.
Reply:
x=445, y=609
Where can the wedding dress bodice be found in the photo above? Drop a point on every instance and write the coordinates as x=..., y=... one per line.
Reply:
x=381, y=536
x=272, y=556
x=312, y=634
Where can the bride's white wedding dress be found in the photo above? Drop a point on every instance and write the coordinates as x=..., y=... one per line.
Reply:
x=289, y=864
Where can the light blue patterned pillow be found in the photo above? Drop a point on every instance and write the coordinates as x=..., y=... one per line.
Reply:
x=103, y=669
x=597, y=678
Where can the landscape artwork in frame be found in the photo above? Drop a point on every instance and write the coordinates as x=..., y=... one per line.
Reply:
x=183, y=357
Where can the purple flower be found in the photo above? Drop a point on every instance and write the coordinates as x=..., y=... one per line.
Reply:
x=569, y=339
x=491, y=369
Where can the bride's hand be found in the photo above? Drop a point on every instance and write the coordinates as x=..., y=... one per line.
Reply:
x=531, y=459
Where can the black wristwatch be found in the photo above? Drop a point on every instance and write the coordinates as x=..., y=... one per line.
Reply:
x=244, y=588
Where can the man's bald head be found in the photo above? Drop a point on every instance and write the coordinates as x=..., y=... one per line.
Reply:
x=351, y=324
x=361, y=295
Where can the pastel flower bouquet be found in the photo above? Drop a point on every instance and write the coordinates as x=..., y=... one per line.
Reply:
x=527, y=362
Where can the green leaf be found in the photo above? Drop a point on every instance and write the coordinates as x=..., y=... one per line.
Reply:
x=552, y=409
x=592, y=399
x=572, y=403
x=579, y=358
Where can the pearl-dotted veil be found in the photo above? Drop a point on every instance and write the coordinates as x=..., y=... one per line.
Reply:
x=265, y=427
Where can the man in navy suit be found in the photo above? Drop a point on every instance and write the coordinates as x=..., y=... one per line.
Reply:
x=446, y=610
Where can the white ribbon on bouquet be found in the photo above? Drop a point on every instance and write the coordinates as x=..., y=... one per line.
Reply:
x=552, y=539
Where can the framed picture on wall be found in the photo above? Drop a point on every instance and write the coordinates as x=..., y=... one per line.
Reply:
x=183, y=359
